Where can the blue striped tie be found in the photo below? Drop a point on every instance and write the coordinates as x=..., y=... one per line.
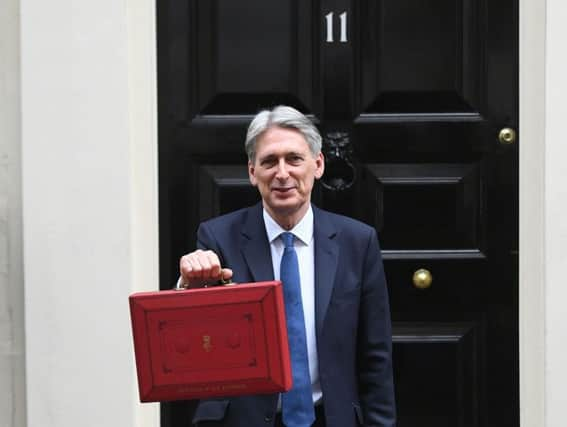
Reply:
x=297, y=404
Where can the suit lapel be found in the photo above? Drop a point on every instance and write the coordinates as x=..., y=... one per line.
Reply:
x=326, y=260
x=255, y=246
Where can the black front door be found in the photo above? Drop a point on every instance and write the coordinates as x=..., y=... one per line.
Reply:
x=411, y=97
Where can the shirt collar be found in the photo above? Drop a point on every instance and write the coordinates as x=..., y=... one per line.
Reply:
x=303, y=230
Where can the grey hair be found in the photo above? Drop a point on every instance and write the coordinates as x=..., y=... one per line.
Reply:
x=285, y=117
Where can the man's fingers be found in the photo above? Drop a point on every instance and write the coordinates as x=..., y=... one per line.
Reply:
x=201, y=266
x=185, y=267
x=226, y=274
x=214, y=263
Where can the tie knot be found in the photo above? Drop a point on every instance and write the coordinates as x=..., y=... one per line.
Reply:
x=287, y=238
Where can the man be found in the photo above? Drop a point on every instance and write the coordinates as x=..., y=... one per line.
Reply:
x=345, y=310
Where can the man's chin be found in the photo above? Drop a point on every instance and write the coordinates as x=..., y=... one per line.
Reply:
x=285, y=207
x=284, y=199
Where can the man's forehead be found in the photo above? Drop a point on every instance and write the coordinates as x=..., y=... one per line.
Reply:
x=282, y=150
x=281, y=143
x=281, y=133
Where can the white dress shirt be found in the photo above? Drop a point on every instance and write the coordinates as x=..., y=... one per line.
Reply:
x=305, y=249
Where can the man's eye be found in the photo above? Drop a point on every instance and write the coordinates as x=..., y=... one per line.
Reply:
x=268, y=163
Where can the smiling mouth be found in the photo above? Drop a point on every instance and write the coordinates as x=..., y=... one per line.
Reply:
x=282, y=189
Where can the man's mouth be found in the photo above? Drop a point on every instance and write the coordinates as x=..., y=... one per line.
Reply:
x=282, y=189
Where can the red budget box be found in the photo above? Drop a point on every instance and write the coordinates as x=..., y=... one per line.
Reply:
x=219, y=341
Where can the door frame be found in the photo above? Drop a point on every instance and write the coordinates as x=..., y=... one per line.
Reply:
x=532, y=261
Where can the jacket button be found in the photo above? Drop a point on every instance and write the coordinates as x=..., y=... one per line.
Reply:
x=268, y=418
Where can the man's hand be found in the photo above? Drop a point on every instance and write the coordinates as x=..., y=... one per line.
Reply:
x=200, y=268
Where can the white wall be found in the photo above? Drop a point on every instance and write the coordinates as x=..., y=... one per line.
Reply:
x=556, y=215
x=90, y=205
x=12, y=362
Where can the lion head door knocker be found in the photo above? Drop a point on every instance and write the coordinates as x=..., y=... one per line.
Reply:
x=340, y=172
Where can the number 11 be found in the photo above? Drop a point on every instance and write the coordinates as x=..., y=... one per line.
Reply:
x=329, y=19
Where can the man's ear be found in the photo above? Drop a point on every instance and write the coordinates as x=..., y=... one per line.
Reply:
x=251, y=171
x=320, y=162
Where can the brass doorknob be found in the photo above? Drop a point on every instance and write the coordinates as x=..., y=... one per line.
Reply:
x=422, y=279
x=507, y=136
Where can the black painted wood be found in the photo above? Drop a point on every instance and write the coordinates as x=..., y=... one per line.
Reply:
x=420, y=90
x=437, y=374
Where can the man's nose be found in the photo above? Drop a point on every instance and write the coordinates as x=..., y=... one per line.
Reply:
x=282, y=172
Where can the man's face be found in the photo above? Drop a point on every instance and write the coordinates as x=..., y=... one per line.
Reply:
x=284, y=171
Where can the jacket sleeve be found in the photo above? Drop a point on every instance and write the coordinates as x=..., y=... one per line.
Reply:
x=376, y=384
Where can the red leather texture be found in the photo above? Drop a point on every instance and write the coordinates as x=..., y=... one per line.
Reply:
x=216, y=341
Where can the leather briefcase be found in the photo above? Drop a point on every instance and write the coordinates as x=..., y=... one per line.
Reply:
x=207, y=342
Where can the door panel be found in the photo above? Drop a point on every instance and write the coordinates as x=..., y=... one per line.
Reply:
x=440, y=203
x=436, y=374
x=420, y=57
x=409, y=97
x=224, y=188
x=248, y=54
x=232, y=58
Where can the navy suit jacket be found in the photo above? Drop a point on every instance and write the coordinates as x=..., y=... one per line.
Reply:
x=352, y=318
